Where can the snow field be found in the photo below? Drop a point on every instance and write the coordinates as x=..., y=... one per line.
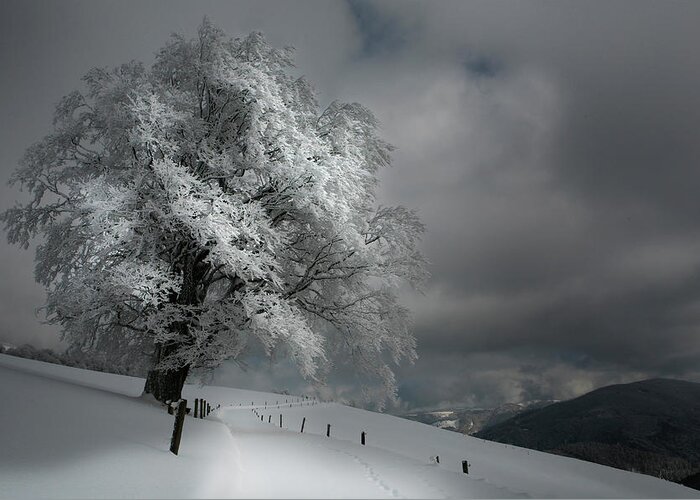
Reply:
x=314, y=466
x=510, y=470
x=71, y=433
x=60, y=440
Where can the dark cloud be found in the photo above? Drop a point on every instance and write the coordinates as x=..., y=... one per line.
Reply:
x=566, y=219
x=551, y=147
x=379, y=33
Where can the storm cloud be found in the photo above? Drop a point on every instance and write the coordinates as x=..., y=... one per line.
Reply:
x=551, y=148
x=563, y=140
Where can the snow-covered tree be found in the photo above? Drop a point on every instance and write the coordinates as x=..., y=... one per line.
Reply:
x=193, y=206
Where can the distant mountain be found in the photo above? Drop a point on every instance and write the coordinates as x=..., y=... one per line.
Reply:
x=472, y=420
x=652, y=427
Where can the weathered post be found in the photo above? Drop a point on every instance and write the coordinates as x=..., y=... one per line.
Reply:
x=303, y=421
x=177, y=428
x=362, y=437
x=328, y=430
x=280, y=420
x=269, y=419
x=196, y=408
x=465, y=466
x=208, y=409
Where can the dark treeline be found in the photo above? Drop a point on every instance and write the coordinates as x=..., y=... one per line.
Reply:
x=76, y=359
x=634, y=460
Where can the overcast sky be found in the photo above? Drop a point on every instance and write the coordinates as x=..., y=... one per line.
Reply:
x=551, y=148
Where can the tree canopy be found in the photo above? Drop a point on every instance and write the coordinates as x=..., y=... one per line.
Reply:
x=207, y=201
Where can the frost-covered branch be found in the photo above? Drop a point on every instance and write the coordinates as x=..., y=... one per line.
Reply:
x=207, y=202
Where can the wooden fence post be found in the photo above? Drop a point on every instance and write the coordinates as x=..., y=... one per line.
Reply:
x=269, y=419
x=303, y=421
x=328, y=430
x=280, y=420
x=208, y=409
x=362, y=437
x=177, y=427
x=196, y=408
x=465, y=466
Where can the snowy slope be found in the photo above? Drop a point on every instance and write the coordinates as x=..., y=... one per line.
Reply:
x=61, y=440
x=66, y=432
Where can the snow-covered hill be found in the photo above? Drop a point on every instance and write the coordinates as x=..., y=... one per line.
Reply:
x=66, y=432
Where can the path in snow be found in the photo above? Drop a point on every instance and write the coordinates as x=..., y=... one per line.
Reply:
x=278, y=462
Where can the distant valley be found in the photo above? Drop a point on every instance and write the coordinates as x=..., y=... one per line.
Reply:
x=472, y=420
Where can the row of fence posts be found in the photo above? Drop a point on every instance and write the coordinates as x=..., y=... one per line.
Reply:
x=204, y=408
x=201, y=409
x=309, y=402
x=363, y=434
x=465, y=464
x=363, y=438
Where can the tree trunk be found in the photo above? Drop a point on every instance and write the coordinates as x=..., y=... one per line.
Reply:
x=165, y=385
